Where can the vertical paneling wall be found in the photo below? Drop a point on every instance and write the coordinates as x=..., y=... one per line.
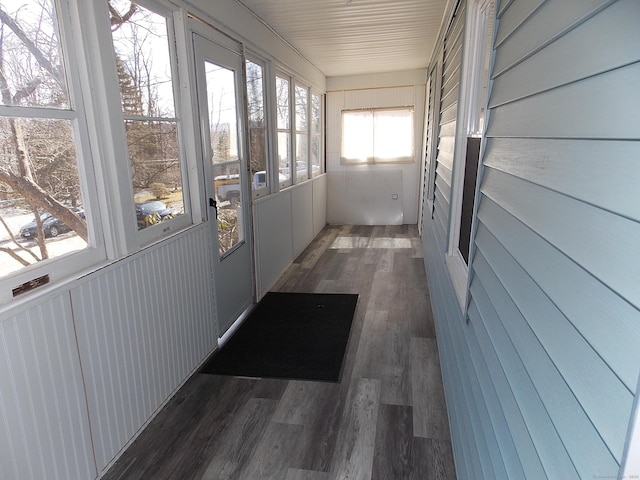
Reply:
x=364, y=194
x=284, y=224
x=542, y=369
x=150, y=325
x=44, y=424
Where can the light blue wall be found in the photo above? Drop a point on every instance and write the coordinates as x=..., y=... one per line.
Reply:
x=541, y=370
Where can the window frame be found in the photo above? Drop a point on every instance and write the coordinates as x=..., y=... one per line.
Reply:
x=288, y=130
x=140, y=238
x=80, y=117
x=299, y=85
x=471, y=102
x=406, y=159
x=266, y=189
x=317, y=135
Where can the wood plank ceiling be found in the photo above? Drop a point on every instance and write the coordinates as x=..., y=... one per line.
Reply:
x=352, y=37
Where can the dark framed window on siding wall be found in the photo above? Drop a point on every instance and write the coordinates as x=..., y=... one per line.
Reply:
x=464, y=93
x=480, y=36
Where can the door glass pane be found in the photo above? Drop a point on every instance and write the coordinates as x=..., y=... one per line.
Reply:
x=223, y=134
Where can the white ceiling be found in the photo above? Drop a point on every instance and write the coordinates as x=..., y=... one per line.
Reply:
x=351, y=37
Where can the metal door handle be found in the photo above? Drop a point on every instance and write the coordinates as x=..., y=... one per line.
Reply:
x=214, y=204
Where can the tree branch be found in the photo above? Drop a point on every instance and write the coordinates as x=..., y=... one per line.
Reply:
x=15, y=256
x=35, y=51
x=15, y=241
x=40, y=197
x=117, y=20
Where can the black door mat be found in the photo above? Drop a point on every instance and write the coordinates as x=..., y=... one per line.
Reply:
x=300, y=336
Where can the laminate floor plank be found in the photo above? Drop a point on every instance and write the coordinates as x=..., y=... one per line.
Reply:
x=396, y=369
x=385, y=419
x=301, y=400
x=297, y=474
x=394, y=436
x=369, y=359
x=280, y=448
x=354, y=453
x=240, y=440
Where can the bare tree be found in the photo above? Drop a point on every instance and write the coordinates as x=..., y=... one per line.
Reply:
x=41, y=72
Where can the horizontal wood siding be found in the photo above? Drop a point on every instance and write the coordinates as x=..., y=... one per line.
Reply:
x=541, y=372
x=555, y=286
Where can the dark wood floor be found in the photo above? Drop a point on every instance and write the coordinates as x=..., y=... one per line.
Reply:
x=385, y=420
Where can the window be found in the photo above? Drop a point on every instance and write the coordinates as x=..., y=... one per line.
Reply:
x=466, y=163
x=377, y=136
x=481, y=36
x=257, y=128
x=316, y=134
x=44, y=179
x=302, y=132
x=141, y=39
x=283, y=127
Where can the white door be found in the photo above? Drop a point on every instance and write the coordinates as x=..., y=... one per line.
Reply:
x=221, y=105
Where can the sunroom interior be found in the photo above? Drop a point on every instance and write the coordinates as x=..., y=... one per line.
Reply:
x=164, y=162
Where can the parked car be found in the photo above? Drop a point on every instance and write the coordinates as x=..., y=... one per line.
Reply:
x=51, y=226
x=151, y=212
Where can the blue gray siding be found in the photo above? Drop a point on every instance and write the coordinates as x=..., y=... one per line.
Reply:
x=548, y=346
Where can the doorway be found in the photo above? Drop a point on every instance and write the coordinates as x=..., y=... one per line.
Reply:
x=220, y=87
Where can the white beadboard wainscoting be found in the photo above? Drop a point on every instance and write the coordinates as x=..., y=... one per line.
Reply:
x=44, y=426
x=143, y=326
x=84, y=370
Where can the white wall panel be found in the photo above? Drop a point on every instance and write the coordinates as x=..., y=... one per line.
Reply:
x=302, y=217
x=44, y=424
x=357, y=184
x=365, y=197
x=273, y=232
x=143, y=325
x=319, y=204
